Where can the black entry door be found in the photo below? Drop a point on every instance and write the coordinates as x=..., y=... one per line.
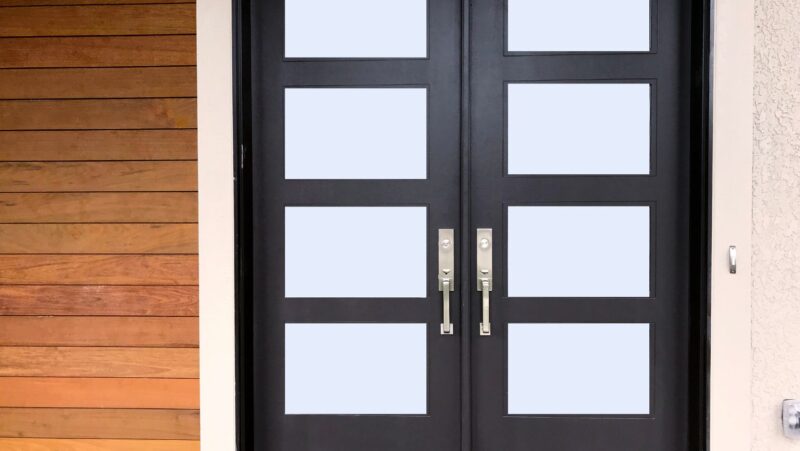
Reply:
x=355, y=167
x=470, y=225
x=580, y=166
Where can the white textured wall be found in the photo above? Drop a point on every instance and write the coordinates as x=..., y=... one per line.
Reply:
x=776, y=219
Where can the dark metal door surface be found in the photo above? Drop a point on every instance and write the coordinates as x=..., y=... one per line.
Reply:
x=563, y=145
x=591, y=303
x=352, y=291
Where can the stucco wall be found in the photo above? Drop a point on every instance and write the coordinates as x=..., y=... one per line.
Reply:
x=776, y=219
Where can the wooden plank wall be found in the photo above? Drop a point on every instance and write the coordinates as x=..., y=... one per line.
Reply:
x=98, y=226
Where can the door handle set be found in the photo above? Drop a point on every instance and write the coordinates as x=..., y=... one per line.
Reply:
x=446, y=276
x=484, y=276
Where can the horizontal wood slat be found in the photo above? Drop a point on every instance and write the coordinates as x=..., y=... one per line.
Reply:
x=98, y=176
x=116, y=51
x=98, y=300
x=98, y=269
x=98, y=207
x=99, y=392
x=83, y=20
x=98, y=83
x=98, y=331
x=100, y=423
x=97, y=114
x=180, y=363
x=177, y=144
x=84, y=2
x=26, y=444
x=98, y=239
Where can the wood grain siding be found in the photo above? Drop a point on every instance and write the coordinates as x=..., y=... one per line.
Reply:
x=117, y=20
x=98, y=239
x=97, y=114
x=97, y=207
x=93, y=145
x=98, y=226
x=99, y=423
x=98, y=362
x=98, y=83
x=98, y=300
x=98, y=176
x=85, y=2
x=107, y=51
x=96, y=445
x=98, y=331
x=120, y=393
x=98, y=269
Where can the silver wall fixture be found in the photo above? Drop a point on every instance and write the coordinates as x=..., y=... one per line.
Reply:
x=791, y=418
x=732, y=259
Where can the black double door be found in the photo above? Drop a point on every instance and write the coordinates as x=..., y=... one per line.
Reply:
x=532, y=162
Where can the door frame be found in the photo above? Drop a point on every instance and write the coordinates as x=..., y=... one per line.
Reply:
x=722, y=359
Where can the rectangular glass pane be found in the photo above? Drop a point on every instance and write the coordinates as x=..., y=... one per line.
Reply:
x=355, y=252
x=356, y=133
x=580, y=251
x=578, y=26
x=578, y=128
x=356, y=29
x=356, y=369
x=578, y=369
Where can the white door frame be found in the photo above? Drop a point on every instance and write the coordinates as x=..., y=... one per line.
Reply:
x=216, y=225
x=731, y=224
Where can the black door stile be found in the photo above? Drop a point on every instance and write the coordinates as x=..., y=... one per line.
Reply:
x=465, y=226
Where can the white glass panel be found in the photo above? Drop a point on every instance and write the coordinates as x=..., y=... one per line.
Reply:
x=578, y=251
x=359, y=252
x=579, y=369
x=356, y=369
x=578, y=128
x=356, y=133
x=356, y=28
x=578, y=25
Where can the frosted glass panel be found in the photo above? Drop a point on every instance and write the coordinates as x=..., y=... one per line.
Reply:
x=356, y=133
x=356, y=369
x=356, y=28
x=578, y=251
x=579, y=369
x=358, y=252
x=578, y=128
x=579, y=25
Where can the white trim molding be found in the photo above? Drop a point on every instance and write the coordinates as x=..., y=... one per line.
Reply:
x=216, y=228
x=731, y=225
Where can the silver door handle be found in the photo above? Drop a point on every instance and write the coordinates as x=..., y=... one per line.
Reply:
x=446, y=276
x=486, y=325
x=484, y=254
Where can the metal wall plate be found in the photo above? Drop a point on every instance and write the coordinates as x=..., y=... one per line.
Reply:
x=791, y=418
